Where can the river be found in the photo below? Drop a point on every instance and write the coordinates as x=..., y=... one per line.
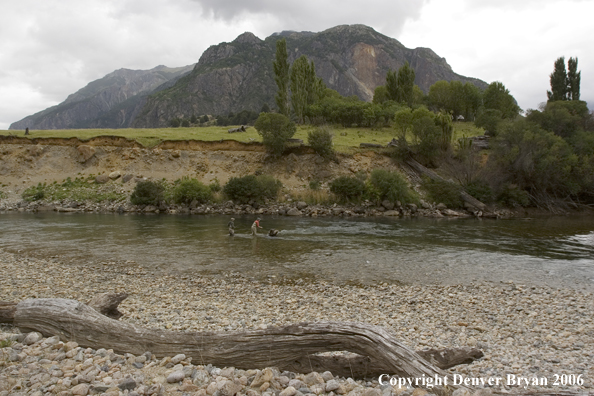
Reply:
x=555, y=251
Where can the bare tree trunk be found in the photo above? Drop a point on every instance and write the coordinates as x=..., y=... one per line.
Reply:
x=279, y=346
x=107, y=304
x=7, y=311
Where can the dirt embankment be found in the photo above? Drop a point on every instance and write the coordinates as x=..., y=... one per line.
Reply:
x=26, y=162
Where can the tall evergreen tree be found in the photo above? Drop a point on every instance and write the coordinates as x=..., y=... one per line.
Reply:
x=281, y=77
x=573, y=80
x=558, y=81
x=406, y=83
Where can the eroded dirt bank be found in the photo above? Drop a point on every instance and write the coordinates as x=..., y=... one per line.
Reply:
x=25, y=162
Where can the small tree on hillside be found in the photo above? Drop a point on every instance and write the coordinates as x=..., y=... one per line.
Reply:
x=275, y=130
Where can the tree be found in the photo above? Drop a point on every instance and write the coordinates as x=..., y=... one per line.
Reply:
x=573, y=80
x=306, y=87
x=275, y=130
x=281, y=77
x=400, y=84
x=406, y=83
x=558, y=80
x=380, y=95
x=497, y=97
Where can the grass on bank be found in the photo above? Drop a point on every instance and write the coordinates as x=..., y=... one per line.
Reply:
x=78, y=189
x=345, y=140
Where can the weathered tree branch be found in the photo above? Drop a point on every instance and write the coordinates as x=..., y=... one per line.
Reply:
x=434, y=176
x=278, y=346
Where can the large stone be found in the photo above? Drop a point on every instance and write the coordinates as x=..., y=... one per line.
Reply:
x=102, y=179
x=85, y=153
x=176, y=376
x=261, y=377
x=127, y=383
x=387, y=204
x=230, y=388
x=114, y=175
x=294, y=212
x=32, y=338
x=80, y=390
x=177, y=358
x=313, y=379
x=301, y=205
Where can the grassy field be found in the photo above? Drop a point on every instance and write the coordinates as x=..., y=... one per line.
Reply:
x=345, y=139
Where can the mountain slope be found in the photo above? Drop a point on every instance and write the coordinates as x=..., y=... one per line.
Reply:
x=109, y=102
x=230, y=77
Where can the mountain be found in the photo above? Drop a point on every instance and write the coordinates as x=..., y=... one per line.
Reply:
x=235, y=76
x=109, y=102
x=230, y=77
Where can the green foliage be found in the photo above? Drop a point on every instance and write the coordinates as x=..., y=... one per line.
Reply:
x=480, y=190
x=320, y=139
x=175, y=122
x=306, y=87
x=497, y=97
x=244, y=117
x=442, y=191
x=512, y=196
x=563, y=118
x=535, y=160
x=252, y=188
x=315, y=185
x=275, y=130
x=380, y=95
x=348, y=188
x=490, y=120
x=147, y=192
x=77, y=189
x=400, y=85
x=185, y=123
x=6, y=343
x=392, y=186
x=573, y=80
x=188, y=189
x=34, y=193
x=565, y=85
x=281, y=77
x=204, y=119
x=427, y=135
x=455, y=98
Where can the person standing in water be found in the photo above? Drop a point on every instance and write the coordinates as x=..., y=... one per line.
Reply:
x=231, y=226
x=255, y=226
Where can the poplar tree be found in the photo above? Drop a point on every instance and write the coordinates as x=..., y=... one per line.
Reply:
x=281, y=77
x=306, y=87
x=406, y=83
x=573, y=80
x=558, y=80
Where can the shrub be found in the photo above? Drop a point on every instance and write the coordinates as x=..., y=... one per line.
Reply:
x=391, y=186
x=442, y=191
x=320, y=140
x=347, y=188
x=480, y=190
x=147, y=193
x=35, y=193
x=275, y=130
x=252, y=188
x=315, y=185
x=511, y=196
x=188, y=190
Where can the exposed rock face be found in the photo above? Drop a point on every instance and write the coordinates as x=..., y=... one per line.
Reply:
x=351, y=59
x=230, y=77
x=110, y=102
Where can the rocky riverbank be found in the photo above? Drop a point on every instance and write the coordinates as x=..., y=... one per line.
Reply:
x=527, y=331
x=287, y=208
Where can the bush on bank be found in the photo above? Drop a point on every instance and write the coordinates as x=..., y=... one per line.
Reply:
x=148, y=193
x=187, y=190
x=252, y=188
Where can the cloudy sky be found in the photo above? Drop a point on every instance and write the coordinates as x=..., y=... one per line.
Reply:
x=51, y=48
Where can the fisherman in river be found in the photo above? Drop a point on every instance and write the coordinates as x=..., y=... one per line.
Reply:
x=231, y=226
x=255, y=226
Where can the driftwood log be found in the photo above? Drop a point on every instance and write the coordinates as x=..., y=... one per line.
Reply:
x=292, y=347
x=469, y=199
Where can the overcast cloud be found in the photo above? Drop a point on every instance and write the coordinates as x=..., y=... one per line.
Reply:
x=50, y=49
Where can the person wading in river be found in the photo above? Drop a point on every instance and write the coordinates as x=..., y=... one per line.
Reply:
x=255, y=226
x=231, y=226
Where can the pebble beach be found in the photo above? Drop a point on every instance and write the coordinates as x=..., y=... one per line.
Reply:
x=526, y=331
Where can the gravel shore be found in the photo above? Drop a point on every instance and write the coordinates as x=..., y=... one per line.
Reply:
x=528, y=331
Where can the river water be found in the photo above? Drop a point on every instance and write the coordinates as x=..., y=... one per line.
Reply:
x=555, y=251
